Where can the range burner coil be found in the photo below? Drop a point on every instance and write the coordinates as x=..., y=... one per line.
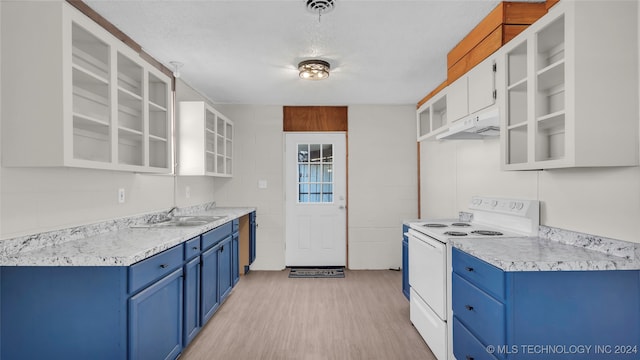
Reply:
x=455, y=233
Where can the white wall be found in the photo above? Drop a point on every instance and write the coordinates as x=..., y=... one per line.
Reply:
x=258, y=148
x=382, y=183
x=598, y=201
x=382, y=180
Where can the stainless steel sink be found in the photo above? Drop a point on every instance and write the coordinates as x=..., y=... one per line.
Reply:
x=182, y=221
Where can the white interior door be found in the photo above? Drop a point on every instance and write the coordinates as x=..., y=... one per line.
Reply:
x=315, y=171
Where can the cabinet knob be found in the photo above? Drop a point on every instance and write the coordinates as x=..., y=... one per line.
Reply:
x=162, y=266
x=468, y=307
x=469, y=268
x=469, y=357
x=194, y=248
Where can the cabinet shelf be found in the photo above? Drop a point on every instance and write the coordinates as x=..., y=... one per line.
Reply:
x=128, y=132
x=520, y=85
x=551, y=118
x=90, y=121
x=90, y=63
x=551, y=76
x=157, y=138
x=153, y=107
x=87, y=76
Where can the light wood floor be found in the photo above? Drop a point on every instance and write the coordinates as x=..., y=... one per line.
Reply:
x=269, y=316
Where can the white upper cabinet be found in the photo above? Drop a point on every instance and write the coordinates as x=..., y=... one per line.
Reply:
x=570, y=88
x=473, y=91
x=205, y=140
x=75, y=95
x=432, y=117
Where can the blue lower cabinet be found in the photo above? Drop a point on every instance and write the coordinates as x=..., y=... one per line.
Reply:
x=225, y=271
x=192, y=324
x=210, y=297
x=149, y=310
x=405, y=263
x=235, y=258
x=156, y=319
x=252, y=237
x=547, y=315
x=63, y=312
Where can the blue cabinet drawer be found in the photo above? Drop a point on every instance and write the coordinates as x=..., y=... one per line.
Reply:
x=236, y=224
x=466, y=346
x=192, y=248
x=155, y=267
x=214, y=236
x=482, y=274
x=481, y=313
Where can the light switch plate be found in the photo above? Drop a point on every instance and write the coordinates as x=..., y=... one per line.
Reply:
x=262, y=184
x=121, y=196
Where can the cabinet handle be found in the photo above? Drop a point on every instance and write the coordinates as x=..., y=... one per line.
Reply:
x=162, y=266
x=469, y=268
x=468, y=307
x=221, y=248
x=469, y=357
x=194, y=248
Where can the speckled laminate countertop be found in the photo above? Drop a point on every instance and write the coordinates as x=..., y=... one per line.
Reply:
x=120, y=247
x=543, y=254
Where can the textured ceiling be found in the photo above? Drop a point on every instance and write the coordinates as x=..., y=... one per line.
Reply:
x=246, y=52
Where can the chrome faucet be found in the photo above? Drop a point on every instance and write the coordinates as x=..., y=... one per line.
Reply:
x=170, y=212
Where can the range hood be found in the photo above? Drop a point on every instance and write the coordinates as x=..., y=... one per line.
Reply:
x=478, y=126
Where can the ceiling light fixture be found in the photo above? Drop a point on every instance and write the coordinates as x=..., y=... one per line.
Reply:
x=176, y=68
x=320, y=6
x=314, y=69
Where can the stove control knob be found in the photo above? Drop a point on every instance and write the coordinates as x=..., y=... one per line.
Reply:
x=494, y=203
x=512, y=205
x=519, y=205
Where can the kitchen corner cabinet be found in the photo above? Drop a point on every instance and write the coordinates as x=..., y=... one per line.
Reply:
x=432, y=116
x=518, y=315
x=205, y=140
x=75, y=95
x=566, y=77
x=474, y=91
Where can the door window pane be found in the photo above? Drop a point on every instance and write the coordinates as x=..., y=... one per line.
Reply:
x=315, y=173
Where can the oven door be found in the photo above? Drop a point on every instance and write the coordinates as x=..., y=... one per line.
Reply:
x=427, y=271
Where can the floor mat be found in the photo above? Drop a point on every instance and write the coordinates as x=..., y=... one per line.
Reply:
x=316, y=272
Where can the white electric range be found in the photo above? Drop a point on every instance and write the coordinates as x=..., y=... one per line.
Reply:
x=430, y=260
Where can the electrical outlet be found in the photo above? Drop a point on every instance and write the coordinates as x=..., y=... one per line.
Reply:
x=187, y=192
x=121, y=196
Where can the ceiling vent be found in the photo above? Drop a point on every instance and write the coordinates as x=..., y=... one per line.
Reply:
x=320, y=6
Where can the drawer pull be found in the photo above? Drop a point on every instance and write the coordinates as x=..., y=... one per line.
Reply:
x=163, y=266
x=221, y=248
x=469, y=268
x=194, y=248
x=469, y=357
x=468, y=307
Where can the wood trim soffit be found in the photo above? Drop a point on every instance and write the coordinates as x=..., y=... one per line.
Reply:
x=315, y=118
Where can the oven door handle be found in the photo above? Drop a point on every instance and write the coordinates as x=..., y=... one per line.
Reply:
x=437, y=245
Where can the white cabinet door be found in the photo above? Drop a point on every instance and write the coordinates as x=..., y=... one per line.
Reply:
x=457, y=99
x=481, y=85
